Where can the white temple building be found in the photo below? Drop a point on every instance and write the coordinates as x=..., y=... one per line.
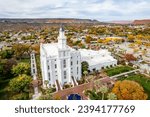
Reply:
x=61, y=64
x=97, y=60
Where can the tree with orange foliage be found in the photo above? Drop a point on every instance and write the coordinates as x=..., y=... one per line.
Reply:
x=147, y=44
x=130, y=57
x=129, y=90
x=21, y=49
x=36, y=48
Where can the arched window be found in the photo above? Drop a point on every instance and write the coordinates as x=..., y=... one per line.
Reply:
x=64, y=63
x=49, y=76
x=65, y=74
x=55, y=66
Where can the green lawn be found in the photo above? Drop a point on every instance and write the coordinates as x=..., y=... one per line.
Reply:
x=142, y=80
x=117, y=70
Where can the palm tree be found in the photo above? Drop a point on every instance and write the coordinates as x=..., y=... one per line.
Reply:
x=84, y=66
x=46, y=96
x=85, y=73
x=92, y=94
x=97, y=84
x=111, y=96
x=103, y=90
x=46, y=83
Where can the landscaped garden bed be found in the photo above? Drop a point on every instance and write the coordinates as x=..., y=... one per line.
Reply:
x=118, y=70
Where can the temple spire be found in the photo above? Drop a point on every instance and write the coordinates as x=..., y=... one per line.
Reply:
x=62, y=37
x=62, y=28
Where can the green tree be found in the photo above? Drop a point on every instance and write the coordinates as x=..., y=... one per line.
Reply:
x=85, y=66
x=46, y=83
x=93, y=95
x=111, y=96
x=97, y=84
x=20, y=96
x=6, y=54
x=85, y=73
x=46, y=97
x=21, y=68
x=1, y=68
x=100, y=93
x=7, y=67
x=46, y=94
x=103, y=90
x=20, y=83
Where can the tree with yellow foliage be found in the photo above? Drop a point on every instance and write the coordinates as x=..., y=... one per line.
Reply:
x=100, y=41
x=88, y=39
x=139, y=42
x=107, y=40
x=129, y=90
x=117, y=40
x=139, y=37
x=144, y=51
x=132, y=45
x=131, y=38
x=135, y=50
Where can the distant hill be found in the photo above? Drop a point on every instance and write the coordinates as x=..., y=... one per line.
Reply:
x=50, y=20
x=121, y=22
x=135, y=22
x=138, y=22
x=24, y=24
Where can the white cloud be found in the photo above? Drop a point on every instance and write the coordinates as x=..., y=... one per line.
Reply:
x=95, y=9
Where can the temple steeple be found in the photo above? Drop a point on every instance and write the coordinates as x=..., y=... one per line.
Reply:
x=62, y=38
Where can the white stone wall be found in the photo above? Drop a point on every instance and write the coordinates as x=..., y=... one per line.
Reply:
x=52, y=71
x=104, y=65
x=76, y=65
x=44, y=70
x=53, y=67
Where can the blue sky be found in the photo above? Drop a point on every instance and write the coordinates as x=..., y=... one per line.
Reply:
x=103, y=10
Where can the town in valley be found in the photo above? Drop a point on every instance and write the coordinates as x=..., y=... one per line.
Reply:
x=74, y=59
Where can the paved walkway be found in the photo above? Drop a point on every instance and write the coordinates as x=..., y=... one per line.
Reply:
x=80, y=89
x=74, y=90
x=62, y=94
x=146, y=75
x=115, y=76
